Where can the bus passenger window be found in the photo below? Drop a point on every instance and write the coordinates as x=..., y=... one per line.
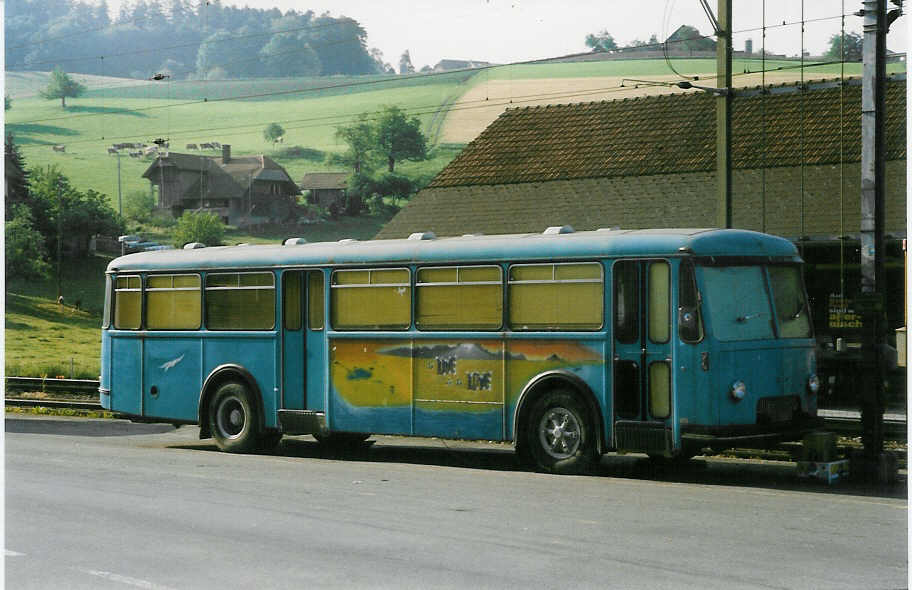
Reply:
x=459, y=297
x=626, y=301
x=315, y=300
x=128, y=303
x=791, y=305
x=173, y=302
x=378, y=299
x=556, y=296
x=690, y=324
x=240, y=301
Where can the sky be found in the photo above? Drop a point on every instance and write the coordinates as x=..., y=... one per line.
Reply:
x=506, y=31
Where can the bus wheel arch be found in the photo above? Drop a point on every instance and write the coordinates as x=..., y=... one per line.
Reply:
x=567, y=396
x=217, y=378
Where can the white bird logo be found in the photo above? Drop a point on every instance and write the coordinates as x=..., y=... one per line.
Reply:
x=172, y=364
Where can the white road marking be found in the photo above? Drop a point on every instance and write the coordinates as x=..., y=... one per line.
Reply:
x=9, y=553
x=135, y=582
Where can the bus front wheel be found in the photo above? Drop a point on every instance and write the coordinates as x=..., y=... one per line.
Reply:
x=232, y=419
x=559, y=438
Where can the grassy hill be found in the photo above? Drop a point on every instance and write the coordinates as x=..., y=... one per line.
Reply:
x=44, y=338
x=113, y=111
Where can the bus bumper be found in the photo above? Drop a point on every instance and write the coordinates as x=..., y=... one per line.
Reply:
x=750, y=436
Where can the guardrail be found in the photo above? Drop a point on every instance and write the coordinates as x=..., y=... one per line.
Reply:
x=56, y=385
x=52, y=403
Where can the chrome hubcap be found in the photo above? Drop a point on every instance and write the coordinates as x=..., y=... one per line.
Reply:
x=230, y=418
x=559, y=433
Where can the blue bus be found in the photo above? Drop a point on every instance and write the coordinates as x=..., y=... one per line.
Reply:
x=568, y=344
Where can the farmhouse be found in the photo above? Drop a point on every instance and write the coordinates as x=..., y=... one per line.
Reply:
x=242, y=191
x=325, y=189
x=650, y=162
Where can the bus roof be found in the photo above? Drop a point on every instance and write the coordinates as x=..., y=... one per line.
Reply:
x=424, y=248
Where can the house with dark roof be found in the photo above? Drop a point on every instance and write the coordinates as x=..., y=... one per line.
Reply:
x=325, y=189
x=650, y=162
x=243, y=191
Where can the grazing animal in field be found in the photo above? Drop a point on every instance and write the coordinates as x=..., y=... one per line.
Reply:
x=59, y=148
x=206, y=146
x=121, y=146
x=135, y=154
x=216, y=145
x=280, y=139
x=192, y=146
x=150, y=151
x=112, y=150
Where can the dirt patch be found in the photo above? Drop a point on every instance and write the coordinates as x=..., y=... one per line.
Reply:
x=471, y=113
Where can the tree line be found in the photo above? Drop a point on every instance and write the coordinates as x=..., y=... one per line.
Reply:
x=46, y=217
x=201, y=39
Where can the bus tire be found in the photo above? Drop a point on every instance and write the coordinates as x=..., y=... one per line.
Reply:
x=233, y=419
x=559, y=433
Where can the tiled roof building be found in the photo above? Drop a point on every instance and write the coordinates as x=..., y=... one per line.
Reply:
x=241, y=190
x=650, y=162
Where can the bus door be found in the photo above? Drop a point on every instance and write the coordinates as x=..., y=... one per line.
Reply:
x=642, y=391
x=303, y=366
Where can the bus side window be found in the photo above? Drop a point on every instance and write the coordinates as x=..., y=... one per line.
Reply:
x=173, y=302
x=128, y=303
x=240, y=301
x=371, y=299
x=690, y=325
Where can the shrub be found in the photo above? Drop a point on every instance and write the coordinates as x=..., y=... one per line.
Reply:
x=202, y=227
x=138, y=205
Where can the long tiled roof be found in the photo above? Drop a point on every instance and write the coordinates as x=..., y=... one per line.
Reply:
x=673, y=133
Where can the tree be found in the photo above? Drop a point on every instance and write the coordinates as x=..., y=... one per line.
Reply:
x=399, y=138
x=600, y=42
x=62, y=86
x=360, y=140
x=689, y=38
x=17, y=181
x=198, y=226
x=273, y=132
x=405, y=63
x=26, y=256
x=850, y=49
x=139, y=205
x=57, y=206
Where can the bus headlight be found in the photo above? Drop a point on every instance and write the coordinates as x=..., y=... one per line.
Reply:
x=738, y=390
x=813, y=384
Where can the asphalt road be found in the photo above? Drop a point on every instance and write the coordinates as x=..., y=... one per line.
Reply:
x=110, y=504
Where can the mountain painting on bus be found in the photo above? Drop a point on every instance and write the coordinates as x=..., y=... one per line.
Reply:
x=457, y=387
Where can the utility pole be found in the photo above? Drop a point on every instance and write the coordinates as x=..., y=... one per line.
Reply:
x=873, y=106
x=119, y=195
x=59, y=238
x=723, y=112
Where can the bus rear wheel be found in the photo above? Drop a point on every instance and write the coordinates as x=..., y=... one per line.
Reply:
x=559, y=435
x=233, y=420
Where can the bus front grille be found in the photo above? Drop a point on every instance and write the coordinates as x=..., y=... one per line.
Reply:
x=771, y=410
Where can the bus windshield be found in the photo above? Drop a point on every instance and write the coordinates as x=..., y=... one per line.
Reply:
x=737, y=303
x=791, y=305
x=739, y=306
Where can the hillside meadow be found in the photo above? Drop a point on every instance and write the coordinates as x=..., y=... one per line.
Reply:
x=111, y=112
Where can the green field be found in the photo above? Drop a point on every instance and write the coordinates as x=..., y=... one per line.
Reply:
x=109, y=114
x=643, y=68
